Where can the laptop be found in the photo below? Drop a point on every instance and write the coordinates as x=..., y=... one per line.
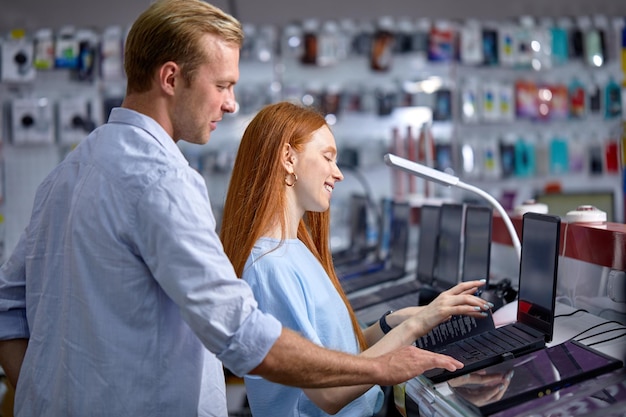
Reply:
x=369, y=307
x=477, y=244
x=475, y=262
x=395, y=266
x=533, y=376
x=377, y=261
x=476, y=342
x=359, y=247
x=446, y=273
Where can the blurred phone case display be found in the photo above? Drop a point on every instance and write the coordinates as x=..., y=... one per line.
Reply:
x=515, y=103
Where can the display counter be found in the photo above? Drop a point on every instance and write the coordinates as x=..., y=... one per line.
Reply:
x=420, y=397
x=600, y=248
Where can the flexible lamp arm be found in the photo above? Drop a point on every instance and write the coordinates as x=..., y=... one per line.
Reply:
x=450, y=180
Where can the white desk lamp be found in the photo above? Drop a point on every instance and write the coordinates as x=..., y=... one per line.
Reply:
x=450, y=180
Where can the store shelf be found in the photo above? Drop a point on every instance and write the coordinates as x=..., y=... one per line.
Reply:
x=599, y=244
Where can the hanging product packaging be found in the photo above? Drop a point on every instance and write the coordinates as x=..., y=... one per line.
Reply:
x=111, y=52
x=595, y=43
x=577, y=38
x=265, y=43
x=594, y=94
x=362, y=41
x=506, y=101
x=44, y=50
x=523, y=41
x=544, y=102
x=611, y=156
x=559, y=162
x=507, y=45
x=577, y=155
x=310, y=47
x=490, y=106
x=470, y=43
x=403, y=36
x=443, y=156
x=16, y=58
x=560, y=41
x=419, y=39
x=66, y=48
x=490, y=45
x=559, y=104
x=381, y=53
x=327, y=42
x=347, y=33
x=541, y=44
x=86, y=61
x=443, y=105
x=542, y=155
x=491, y=158
x=524, y=158
x=577, y=99
x=291, y=42
x=441, y=42
x=470, y=158
x=596, y=156
x=507, y=155
x=469, y=101
x=613, y=100
x=526, y=92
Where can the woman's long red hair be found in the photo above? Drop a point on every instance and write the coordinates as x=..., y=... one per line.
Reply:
x=256, y=194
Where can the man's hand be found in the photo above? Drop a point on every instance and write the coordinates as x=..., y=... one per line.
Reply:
x=408, y=362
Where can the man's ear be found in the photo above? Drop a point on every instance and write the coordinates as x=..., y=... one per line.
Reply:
x=168, y=76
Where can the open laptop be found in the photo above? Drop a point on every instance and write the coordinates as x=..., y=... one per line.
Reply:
x=477, y=244
x=475, y=262
x=476, y=342
x=369, y=307
x=446, y=273
x=358, y=247
x=377, y=261
x=395, y=266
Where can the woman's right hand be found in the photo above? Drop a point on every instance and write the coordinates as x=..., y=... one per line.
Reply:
x=458, y=300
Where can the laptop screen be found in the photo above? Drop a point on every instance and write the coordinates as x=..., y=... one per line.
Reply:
x=400, y=215
x=427, y=244
x=477, y=243
x=449, y=246
x=538, y=271
x=358, y=222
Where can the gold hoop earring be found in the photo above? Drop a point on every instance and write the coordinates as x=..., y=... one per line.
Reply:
x=293, y=182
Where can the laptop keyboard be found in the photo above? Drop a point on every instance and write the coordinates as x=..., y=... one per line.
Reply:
x=487, y=348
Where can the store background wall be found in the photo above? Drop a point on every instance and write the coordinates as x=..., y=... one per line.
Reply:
x=24, y=168
x=34, y=14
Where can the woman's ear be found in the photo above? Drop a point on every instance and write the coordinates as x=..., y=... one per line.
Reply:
x=288, y=157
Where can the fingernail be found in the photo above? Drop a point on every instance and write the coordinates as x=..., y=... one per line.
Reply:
x=486, y=306
x=483, y=280
x=491, y=305
x=500, y=387
x=510, y=375
x=477, y=308
x=483, y=314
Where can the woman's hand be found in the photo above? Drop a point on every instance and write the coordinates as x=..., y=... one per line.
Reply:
x=458, y=300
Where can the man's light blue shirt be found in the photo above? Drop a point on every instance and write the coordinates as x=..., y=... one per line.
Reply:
x=121, y=284
x=291, y=284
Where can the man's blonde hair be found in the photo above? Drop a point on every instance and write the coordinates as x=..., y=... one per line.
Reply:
x=172, y=30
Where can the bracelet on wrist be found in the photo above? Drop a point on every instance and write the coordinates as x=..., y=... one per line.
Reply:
x=384, y=326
